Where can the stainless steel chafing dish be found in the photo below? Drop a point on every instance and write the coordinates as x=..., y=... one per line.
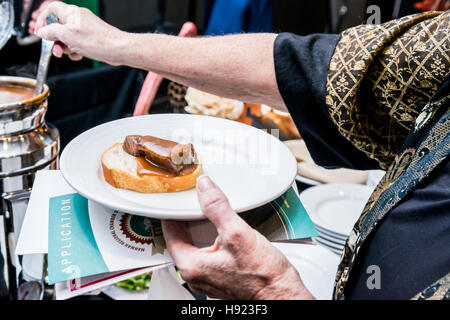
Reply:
x=27, y=144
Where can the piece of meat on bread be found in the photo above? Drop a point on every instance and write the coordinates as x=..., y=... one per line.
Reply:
x=120, y=171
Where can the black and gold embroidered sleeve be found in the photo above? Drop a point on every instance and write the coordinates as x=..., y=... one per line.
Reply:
x=381, y=77
x=301, y=65
x=355, y=97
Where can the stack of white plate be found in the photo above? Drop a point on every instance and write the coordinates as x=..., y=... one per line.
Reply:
x=334, y=209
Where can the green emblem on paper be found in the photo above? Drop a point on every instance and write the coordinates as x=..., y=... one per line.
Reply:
x=137, y=229
x=142, y=230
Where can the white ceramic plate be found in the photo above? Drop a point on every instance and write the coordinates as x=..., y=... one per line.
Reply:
x=335, y=251
x=336, y=207
x=251, y=166
x=317, y=267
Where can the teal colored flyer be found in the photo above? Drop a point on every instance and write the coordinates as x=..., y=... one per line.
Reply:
x=72, y=250
x=297, y=220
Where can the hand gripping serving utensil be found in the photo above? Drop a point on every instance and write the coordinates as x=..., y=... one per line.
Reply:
x=44, y=61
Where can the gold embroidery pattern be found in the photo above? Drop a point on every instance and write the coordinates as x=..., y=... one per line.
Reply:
x=407, y=159
x=379, y=81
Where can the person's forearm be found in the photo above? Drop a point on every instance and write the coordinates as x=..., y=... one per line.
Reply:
x=238, y=66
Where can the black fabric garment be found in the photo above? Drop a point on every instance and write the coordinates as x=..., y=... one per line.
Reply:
x=410, y=244
x=301, y=65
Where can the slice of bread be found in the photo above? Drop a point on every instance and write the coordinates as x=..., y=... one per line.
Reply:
x=120, y=171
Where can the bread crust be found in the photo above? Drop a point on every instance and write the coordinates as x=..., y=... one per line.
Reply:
x=147, y=183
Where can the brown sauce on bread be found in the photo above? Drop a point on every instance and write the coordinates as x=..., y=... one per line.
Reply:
x=146, y=168
x=161, y=157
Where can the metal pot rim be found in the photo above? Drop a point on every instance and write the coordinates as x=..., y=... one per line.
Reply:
x=26, y=82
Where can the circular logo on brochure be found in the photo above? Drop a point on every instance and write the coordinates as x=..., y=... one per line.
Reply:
x=136, y=228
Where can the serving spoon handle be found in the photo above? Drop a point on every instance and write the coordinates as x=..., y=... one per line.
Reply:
x=44, y=61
